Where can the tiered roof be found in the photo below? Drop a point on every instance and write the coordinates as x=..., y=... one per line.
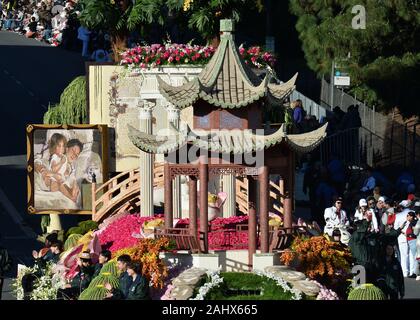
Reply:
x=226, y=81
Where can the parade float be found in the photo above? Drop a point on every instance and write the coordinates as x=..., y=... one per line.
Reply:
x=198, y=224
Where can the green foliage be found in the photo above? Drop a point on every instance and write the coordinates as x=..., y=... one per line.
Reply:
x=366, y=292
x=74, y=230
x=83, y=227
x=72, y=241
x=204, y=15
x=120, y=16
x=72, y=108
x=247, y=281
x=385, y=55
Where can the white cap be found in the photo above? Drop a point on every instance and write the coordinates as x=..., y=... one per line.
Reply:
x=381, y=199
x=362, y=203
x=405, y=203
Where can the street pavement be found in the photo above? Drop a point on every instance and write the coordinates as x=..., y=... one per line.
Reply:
x=32, y=76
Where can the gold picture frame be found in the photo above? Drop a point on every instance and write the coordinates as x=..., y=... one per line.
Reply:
x=103, y=153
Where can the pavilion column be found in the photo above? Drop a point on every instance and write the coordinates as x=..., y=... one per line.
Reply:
x=287, y=218
x=263, y=206
x=252, y=221
x=168, y=197
x=203, y=169
x=173, y=117
x=229, y=186
x=146, y=163
x=192, y=190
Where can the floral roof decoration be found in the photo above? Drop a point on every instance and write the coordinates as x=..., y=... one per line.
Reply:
x=169, y=54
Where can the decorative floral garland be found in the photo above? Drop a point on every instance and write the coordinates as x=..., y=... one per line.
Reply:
x=170, y=54
x=215, y=281
x=296, y=294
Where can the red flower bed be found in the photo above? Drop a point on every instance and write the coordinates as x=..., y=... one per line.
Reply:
x=156, y=55
x=223, y=234
x=118, y=234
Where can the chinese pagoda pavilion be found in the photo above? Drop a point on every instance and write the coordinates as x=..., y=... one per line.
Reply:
x=228, y=101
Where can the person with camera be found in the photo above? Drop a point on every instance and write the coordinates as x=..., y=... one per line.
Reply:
x=81, y=281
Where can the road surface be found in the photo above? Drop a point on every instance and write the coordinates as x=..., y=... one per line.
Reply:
x=32, y=76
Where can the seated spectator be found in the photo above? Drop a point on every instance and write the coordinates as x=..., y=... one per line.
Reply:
x=81, y=281
x=139, y=286
x=104, y=257
x=32, y=29
x=122, y=292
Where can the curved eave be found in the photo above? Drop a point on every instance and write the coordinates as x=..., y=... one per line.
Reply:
x=306, y=142
x=155, y=144
x=176, y=94
x=223, y=142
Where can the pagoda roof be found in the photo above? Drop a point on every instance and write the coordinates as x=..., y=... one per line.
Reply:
x=225, y=141
x=227, y=81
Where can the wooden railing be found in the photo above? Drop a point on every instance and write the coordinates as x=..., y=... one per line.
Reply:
x=181, y=238
x=276, y=196
x=120, y=192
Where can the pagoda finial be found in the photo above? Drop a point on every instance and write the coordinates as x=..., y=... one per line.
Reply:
x=227, y=26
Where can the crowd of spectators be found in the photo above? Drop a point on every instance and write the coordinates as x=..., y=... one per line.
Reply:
x=54, y=22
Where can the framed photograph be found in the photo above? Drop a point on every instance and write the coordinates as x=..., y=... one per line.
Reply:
x=63, y=162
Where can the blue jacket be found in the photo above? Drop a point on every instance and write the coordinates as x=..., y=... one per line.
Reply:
x=298, y=114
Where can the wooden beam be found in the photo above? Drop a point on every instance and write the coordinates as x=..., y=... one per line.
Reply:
x=168, y=197
x=204, y=224
x=192, y=189
x=264, y=185
x=252, y=222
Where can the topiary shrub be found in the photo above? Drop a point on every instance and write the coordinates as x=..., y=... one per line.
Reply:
x=110, y=267
x=96, y=289
x=366, y=292
x=96, y=293
x=72, y=241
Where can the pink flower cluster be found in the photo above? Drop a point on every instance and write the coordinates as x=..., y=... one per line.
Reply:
x=325, y=293
x=257, y=57
x=169, y=54
x=180, y=54
x=118, y=234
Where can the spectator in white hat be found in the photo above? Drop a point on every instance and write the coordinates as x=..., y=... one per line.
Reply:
x=364, y=213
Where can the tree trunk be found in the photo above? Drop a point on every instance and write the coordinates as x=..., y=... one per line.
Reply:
x=118, y=44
